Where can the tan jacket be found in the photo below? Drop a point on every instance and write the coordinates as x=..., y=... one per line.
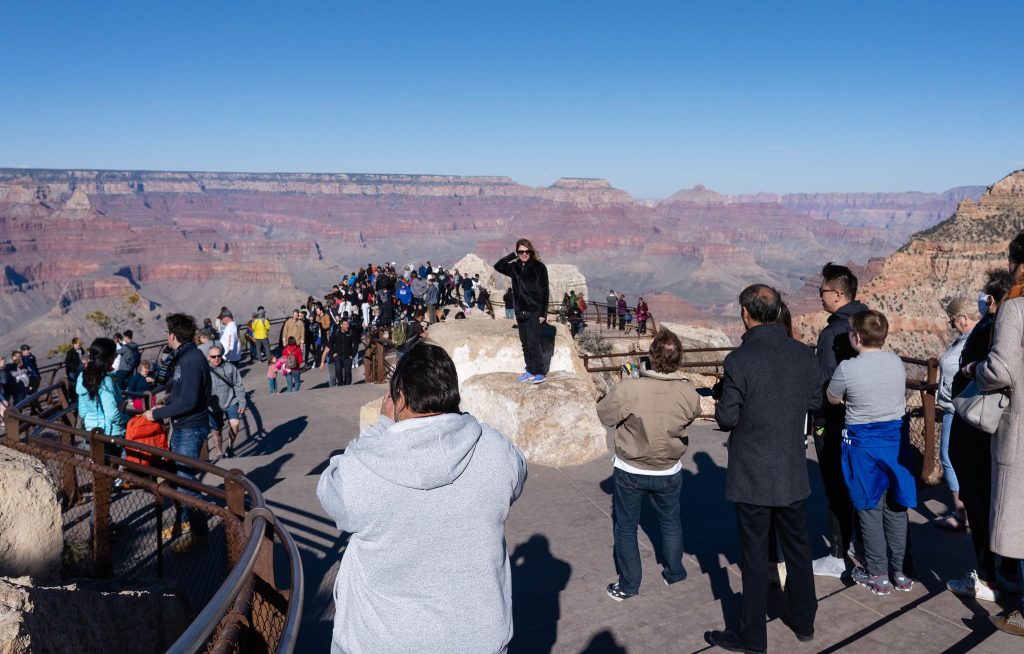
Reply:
x=1004, y=368
x=295, y=329
x=650, y=416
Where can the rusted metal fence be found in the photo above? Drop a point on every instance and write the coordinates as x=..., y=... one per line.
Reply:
x=244, y=585
x=922, y=382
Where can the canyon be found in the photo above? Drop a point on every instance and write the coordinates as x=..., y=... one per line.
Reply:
x=74, y=241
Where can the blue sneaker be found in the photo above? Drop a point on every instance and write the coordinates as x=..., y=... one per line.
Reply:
x=525, y=377
x=539, y=379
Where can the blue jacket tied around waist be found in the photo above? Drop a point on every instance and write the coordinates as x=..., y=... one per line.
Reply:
x=871, y=465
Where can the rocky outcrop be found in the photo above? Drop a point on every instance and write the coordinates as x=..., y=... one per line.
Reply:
x=89, y=617
x=481, y=347
x=945, y=261
x=31, y=525
x=554, y=423
x=473, y=264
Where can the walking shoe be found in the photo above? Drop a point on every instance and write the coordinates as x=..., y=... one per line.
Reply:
x=877, y=584
x=539, y=379
x=729, y=640
x=902, y=582
x=175, y=530
x=1011, y=624
x=617, y=593
x=828, y=566
x=972, y=586
x=525, y=377
x=190, y=542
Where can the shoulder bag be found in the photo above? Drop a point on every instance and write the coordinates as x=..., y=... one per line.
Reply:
x=982, y=410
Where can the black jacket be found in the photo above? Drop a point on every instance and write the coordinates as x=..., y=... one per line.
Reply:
x=834, y=347
x=345, y=344
x=190, y=388
x=529, y=284
x=770, y=382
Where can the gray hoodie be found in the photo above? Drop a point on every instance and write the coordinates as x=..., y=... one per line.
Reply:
x=426, y=569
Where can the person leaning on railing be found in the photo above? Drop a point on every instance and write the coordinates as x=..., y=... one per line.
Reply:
x=187, y=411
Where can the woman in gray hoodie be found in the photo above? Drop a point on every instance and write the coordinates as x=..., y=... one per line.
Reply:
x=424, y=493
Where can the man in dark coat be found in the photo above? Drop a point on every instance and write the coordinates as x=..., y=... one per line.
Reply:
x=770, y=382
x=344, y=347
x=838, y=292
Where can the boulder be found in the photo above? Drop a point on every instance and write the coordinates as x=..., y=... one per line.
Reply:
x=89, y=616
x=483, y=346
x=31, y=525
x=472, y=264
x=697, y=337
x=554, y=423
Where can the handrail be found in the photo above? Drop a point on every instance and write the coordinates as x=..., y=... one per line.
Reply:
x=17, y=428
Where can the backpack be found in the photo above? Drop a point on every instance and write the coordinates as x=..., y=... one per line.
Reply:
x=291, y=362
x=399, y=333
x=146, y=432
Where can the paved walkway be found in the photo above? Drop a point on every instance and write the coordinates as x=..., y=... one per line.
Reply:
x=560, y=539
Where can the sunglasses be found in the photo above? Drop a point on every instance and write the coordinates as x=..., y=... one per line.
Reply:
x=215, y=356
x=524, y=251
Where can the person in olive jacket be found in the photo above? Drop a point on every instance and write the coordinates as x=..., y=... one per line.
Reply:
x=530, y=297
x=770, y=382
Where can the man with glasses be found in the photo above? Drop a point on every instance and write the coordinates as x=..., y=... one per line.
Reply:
x=838, y=293
x=227, y=399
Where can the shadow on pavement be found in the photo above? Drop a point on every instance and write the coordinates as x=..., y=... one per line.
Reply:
x=538, y=578
x=604, y=642
x=266, y=476
x=269, y=442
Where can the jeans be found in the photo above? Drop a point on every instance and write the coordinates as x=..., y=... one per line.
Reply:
x=510, y=313
x=188, y=441
x=343, y=370
x=263, y=346
x=468, y=296
x=294, y=380
x=272, y=385
x=627, y=501
x=947, y=466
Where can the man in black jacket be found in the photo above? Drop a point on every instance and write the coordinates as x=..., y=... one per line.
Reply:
x=770, y=382
x=838, y=292
x=344, y=347
x=190, y=421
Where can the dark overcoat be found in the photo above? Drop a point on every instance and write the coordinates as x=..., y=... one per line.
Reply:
x=770, y=383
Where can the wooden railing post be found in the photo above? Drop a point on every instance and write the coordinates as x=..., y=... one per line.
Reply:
x=101, y=492
x=930, y=468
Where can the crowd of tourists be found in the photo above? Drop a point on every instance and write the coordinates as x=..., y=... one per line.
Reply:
x=430, y=460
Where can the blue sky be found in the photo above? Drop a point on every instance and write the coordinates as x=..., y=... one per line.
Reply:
x=653, y=96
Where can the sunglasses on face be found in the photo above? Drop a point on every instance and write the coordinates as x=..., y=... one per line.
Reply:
x=215, y=356
x=524, y=251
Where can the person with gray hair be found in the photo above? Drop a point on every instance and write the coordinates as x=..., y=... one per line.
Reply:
x=227, y=399
x=962, y=313
x=770, y=382
x=424, y=492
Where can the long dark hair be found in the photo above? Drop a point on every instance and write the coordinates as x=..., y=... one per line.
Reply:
x=101, y=356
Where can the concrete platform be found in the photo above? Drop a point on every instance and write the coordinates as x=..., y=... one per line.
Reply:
x=560, y=541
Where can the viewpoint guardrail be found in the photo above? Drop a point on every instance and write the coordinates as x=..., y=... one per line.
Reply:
x=245, y=586
x=922, y=383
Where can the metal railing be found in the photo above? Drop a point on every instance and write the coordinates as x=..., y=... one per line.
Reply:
x=248, y=577
x=920, y=388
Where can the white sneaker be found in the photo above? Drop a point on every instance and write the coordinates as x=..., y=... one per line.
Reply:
x=829, y=566
x=971, y=586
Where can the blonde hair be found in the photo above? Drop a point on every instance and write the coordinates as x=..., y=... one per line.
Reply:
x=962, y=306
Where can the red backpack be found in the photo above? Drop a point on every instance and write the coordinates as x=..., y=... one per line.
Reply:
x=146, y=432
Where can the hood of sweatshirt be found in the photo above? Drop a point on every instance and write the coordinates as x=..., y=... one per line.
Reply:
x=421, y=453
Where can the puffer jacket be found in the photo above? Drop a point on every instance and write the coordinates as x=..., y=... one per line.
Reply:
x=650, y=416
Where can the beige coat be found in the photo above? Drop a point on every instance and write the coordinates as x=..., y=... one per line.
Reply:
x=295, y=329
x=650, y=416
x=1004, y=368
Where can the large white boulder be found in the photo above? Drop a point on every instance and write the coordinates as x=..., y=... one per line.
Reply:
x=483, y=346
x=31, y=526
x=472, y=264
x=554, y=423
x=697, y=337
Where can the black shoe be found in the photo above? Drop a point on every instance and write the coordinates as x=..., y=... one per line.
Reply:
x=617, y=593
x=802, y=636
x=728, y=640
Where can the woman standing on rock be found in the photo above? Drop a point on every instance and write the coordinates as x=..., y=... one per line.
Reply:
x=530, y=294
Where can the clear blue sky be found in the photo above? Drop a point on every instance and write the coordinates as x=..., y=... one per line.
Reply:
x=653, y=96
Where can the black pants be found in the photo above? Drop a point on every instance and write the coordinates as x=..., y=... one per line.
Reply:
x=530, y=336
x=970, y=452
x=801, y=605
x=611, y=317
x=840, y=509
x=343, y=370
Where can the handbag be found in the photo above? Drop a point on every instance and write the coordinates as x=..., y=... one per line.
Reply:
x=982, y=410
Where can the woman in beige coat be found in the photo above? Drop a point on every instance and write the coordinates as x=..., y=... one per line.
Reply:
x=1004, y=369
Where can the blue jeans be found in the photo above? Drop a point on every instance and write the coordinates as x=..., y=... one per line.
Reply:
x=627, y=501
x=947, y=467
x=272, y=385
x=294, y=381
x=188, y=441
x=468, y=297
x=510, y=313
